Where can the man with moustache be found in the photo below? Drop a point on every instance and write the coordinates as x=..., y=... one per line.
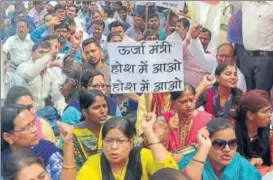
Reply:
x=61, y=31
x=18, y=46
x=225, y=53
x=92, y=51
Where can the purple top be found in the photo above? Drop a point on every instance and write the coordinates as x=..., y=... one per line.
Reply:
x=234, y=31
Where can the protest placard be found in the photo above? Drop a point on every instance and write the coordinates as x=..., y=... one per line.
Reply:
x=176, y=6
x=146, y=67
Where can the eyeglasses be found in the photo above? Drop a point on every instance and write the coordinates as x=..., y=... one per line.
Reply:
x=97, y=86
x=28, y=128
x=267, y=111
x=224, y=56
x=220, y=144
x=110, y=141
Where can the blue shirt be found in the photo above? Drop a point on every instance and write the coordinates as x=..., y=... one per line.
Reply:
x=38, y=34
x=66, y=50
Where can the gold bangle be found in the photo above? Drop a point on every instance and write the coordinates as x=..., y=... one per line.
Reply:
x=69, y=167
x=150, y=144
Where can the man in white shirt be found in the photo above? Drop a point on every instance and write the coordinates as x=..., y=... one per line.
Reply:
x=18, y=46
x=71, y=12
x=193, y=71
x=98, y=29
x=225, y=53
x=257, y=24
x=42, y=81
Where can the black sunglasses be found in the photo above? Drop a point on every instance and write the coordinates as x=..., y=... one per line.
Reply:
x=220, y=144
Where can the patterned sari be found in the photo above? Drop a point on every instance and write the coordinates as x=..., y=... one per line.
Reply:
x=86, y=143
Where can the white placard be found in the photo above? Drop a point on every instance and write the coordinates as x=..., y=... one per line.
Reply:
x=146, y=67
x=176, y=6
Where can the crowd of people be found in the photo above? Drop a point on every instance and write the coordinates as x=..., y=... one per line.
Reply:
x=59, y=119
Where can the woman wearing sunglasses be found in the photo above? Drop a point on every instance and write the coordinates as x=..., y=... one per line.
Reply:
x=252, y=128
x=90, y=80
x=20, y=133
x=216, y=157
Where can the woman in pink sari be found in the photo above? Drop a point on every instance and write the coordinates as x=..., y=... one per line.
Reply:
x=185, y=121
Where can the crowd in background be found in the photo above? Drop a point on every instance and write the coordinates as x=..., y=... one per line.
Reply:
x=59, y=119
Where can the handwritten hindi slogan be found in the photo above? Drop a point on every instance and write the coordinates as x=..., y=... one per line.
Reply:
x=146, y=67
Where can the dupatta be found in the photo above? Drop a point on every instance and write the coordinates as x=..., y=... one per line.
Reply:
x=199, y=121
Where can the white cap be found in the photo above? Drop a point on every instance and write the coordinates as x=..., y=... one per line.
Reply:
x=53, y=3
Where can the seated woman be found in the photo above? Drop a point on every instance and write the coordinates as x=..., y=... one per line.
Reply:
x=25, y=165
x=222, y=99
x=90, y=80
x=252, y=127
x=87, y=133
x=120, y=160
x=216, y=157
x=185, y=121
x=19, y=133
x=21, y=95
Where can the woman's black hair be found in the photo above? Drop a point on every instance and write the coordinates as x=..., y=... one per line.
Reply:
x=8, y=115
x=169, y=173
x=88, y=77
x=176, y=94
x=134, y=168
x=18, y=160
x=253, y=101
x=236, y=92
x=15, y=93
x=87, y=98
x=124, y=125
x=218, y=124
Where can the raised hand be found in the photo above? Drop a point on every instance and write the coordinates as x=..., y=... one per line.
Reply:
x=77, y=40
x=66, y=132
x=195, y=31
x=148, y=121
x=256, y=161
x=203, y=139
x=55, y=21
x=53, y=49
x=208, y=80
x=174, y=122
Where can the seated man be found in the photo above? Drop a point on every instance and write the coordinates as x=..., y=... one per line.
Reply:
x=18, y=46
x=42, y=81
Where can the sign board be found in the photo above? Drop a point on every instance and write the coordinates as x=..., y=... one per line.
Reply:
x=176, y=6
x=146, y=67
